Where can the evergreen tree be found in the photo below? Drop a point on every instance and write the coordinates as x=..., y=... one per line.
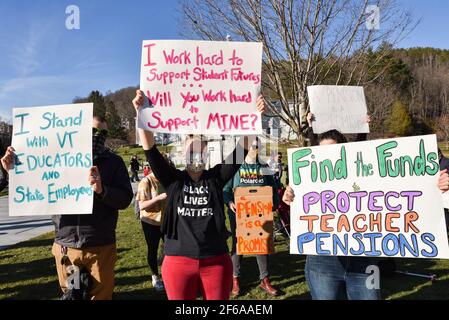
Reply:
x=115, y=127
x=399, y=123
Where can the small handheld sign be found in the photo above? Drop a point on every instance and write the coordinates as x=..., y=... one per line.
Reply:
x=254, y=216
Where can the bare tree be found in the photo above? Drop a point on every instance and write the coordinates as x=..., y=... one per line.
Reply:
x=306, y=42
x=443, y=127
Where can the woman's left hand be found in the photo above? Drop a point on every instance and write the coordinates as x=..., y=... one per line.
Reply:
x=443, y=181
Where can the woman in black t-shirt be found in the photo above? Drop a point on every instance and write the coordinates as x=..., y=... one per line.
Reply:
x=196, y=252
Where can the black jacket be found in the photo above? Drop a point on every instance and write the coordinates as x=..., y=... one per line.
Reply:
x=135, y=165
x=3, y=179
x=444, y=163
x=98, y=229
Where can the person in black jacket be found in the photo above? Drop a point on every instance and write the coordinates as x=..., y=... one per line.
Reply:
x=3, y=178
x=195, y=248
x=135, y=166
x=444, y=165
x=3, y=171
x=87, y=242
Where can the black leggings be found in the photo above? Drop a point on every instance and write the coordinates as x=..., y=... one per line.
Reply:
x=152, y=236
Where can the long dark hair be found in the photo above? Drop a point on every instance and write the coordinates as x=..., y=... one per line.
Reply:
x=3, y=145
x=335, y=135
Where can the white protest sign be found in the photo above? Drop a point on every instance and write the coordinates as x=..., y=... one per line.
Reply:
x=54, y=154
x=446, y=199
x=342, y=108
x=201, y=87
x=374, y=198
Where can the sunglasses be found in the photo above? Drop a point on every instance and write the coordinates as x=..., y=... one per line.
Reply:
x=96, y=131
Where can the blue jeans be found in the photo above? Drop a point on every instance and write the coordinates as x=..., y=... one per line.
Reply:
x=339, y=278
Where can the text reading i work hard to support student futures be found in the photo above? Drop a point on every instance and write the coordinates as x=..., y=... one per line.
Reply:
x=374, y=198
x=201, y=87
x=54, y=154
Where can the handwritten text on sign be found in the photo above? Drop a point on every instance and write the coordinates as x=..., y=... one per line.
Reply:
x=201, y=87
x=254, y=219
x=338, y=107
x=54, y=153
x=374, y=198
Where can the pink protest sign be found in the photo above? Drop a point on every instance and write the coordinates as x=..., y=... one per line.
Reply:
x=203, y=87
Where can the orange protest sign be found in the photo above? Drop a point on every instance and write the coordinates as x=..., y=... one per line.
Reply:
x=254, y=216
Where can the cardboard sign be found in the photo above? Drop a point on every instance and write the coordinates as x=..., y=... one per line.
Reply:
x=370, y=199
x=254, y=219
x=338, y=107
x=54, y=154
x=201, y=87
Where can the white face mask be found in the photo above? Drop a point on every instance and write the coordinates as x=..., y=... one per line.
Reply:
x=196, y=162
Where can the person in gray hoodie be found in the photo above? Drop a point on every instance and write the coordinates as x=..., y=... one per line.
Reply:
x=251, y=173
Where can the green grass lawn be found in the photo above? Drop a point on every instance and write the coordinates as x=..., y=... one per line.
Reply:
x=27, y=271
x=126, y=152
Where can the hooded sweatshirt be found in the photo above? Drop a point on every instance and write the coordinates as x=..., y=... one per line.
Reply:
x=251, y=175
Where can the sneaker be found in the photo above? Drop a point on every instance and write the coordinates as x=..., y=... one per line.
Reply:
x=157, y=283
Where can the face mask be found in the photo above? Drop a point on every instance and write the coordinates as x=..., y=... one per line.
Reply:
x=196, y=162
x=98, y=141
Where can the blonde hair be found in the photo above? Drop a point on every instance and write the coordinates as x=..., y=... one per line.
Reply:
x=190, y=137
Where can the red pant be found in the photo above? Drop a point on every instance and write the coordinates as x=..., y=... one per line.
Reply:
x=183, y=277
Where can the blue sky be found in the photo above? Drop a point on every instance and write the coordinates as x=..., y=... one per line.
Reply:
x=43, y=63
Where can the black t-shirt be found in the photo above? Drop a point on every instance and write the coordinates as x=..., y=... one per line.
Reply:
x=194, y=220
x=196, y=206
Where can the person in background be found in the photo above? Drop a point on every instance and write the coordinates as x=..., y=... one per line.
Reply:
x=169, y=159
x=146, y=170
x=272, y=161
x=444, y=165
x=314, y=138
x=135, y=167
x=283, y=212
x=251, y=173
x=195, y=247
x=6, y=159
x=88, y=241
x=444, y=162
x=152, y=203
x=276, y=166
x=279, y=169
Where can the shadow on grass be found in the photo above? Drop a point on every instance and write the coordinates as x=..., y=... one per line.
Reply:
x=417, y=288
x=24, y=274
x=32, y=244
x=28, y=270
x=285, y=272
x=302, y=296
x=41, y=291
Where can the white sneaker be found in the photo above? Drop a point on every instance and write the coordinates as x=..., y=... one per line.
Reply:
x=157, y=283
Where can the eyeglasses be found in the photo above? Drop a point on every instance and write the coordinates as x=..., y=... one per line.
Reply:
x=98, y=131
